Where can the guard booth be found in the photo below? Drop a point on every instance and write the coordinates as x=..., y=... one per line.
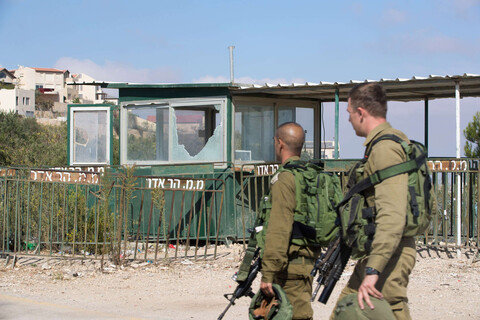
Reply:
x=208, y=149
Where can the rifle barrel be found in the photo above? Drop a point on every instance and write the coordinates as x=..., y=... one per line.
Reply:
x=327, y=291
x=315, y=292
x=220, y=317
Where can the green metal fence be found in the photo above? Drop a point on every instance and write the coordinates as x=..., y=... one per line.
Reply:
x=445, y=172
x=110, y=212
x=151, y=213
x=457, y=185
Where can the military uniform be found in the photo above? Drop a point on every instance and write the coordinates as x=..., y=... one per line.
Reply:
x=392, y=254
x=287, y=264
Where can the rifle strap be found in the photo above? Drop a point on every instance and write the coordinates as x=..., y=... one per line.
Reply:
x=382, y=175
x=244, y=270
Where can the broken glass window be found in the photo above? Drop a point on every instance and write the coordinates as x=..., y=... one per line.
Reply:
x=199, y=133
x=180, y=131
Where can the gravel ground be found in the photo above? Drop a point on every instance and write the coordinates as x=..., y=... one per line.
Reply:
x=441, y=287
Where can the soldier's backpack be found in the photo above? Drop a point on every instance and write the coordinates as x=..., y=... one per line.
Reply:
x=358, y=219
x=317, y=195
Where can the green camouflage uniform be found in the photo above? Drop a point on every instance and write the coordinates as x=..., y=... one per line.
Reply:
x=284, y=263
x=391, y=254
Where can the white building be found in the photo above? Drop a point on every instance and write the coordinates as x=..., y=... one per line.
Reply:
x=85, y=93
x=13, y=98
x=328, y=150
x=7, y=76
x=50, y=85
x=51, y=81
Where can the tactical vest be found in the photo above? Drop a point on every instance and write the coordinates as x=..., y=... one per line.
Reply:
x=357, y=210
x=317, y=194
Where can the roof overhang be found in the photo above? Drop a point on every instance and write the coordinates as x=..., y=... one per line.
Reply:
x=413, y=89
x=126, y=85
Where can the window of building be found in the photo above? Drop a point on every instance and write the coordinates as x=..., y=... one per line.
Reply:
x=255, y=124
x=304, y=117
x=254, y=130
x=89, y=135
x=27, y=101
x=16, y=101
x=184, y=130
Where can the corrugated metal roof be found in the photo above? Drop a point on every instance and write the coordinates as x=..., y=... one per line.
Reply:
x=399, y=89
x=126, y=85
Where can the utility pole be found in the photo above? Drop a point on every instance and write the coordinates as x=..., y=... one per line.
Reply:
x=231, y=63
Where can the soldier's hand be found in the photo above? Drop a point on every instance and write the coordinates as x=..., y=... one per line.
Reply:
x=267, y=289
x=367, y=289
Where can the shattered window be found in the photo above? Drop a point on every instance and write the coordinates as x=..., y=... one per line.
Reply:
x=90, y=142
x=186, y=130
x=191, y=130
x=198, y=135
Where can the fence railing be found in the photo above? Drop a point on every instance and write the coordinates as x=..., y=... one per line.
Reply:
x=443, y=230
x=457, y=187
x=182, y=211
x=110, y=211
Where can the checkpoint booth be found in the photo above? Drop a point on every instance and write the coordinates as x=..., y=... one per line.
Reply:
x=222, y=134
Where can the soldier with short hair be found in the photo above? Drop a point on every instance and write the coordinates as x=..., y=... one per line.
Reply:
x=384, y=272
x=285, y=263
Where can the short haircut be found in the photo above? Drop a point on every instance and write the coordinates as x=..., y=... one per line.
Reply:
x=370, y=96
x=293, y=139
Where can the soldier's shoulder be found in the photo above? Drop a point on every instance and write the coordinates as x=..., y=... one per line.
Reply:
x=397, y=133
x=283, y=177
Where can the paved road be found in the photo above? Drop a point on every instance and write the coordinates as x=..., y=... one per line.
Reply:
x=12, y=307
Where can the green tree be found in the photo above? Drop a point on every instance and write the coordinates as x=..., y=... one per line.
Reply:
x=472, y=134
x=24, y=142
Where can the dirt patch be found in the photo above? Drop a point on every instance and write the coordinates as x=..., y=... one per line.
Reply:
x=441, y=286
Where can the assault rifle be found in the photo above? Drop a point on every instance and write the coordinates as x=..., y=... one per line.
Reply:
x=244, y=288
x=330, y=267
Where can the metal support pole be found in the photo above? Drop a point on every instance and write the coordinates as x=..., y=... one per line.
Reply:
x=426, y=125
x=337, y=108
x=459, y=194
x=231, y=63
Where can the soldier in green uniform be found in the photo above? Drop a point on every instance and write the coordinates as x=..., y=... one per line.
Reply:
x=284, y=263
x=384, y=273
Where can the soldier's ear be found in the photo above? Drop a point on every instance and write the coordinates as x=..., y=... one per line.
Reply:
x=362, y=112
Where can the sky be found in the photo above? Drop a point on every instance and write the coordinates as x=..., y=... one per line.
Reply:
x=275, y=42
